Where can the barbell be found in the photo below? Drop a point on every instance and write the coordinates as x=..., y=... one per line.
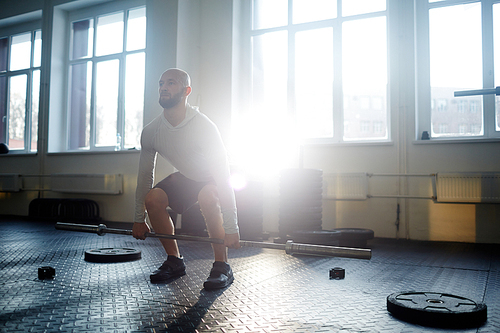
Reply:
x=290, y=247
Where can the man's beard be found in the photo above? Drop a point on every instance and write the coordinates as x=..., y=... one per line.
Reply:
x=172, y=101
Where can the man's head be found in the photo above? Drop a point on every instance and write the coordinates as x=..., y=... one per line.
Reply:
x=174, y=86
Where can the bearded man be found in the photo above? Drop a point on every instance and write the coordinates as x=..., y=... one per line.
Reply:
x=191, y=143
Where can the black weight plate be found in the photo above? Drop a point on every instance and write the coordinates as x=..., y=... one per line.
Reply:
x=298, y=205
x=301, y=192
x=300, y=216
x=436, y=309
x=302, y=172
x=355, y=233
x=300, y=187
x=289, y=228
x=106, y=255
x=320, y=237
x=294, y=205
x=301, y=198
x=301, y=183
x=292, y=210
x=304, y=210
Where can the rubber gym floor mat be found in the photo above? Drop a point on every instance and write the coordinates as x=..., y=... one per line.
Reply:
x=272, y=291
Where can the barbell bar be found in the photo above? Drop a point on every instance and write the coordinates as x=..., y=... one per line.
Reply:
x=290, y=247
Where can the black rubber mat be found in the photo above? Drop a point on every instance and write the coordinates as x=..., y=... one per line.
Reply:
x=272, y=291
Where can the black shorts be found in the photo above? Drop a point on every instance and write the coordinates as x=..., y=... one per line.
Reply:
x=181, y=191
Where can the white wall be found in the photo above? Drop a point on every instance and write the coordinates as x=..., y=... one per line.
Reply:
x=197, y=35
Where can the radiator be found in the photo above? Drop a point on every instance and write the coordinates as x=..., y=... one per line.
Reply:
x=66, y=183
x=10, y=182
x=87, y=183
x=345, y=186
x=473, y=187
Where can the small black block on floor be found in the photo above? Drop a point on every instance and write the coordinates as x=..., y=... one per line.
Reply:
x=46, y=272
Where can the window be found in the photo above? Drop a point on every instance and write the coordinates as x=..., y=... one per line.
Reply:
x=496, y=45
x=365, y=126
x=320, y=64
x=462, y=106
x=463, y=53
x=106, y=79
x=462, y=128
x=442, y=128
x=20, y=58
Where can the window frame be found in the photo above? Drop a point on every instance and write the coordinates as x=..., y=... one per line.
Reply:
x=338, y=95
x=422, y=73
x=8, y=32
x=93, y=12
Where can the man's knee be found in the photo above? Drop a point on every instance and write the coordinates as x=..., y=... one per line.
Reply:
x=156, y=199
x=208, y=198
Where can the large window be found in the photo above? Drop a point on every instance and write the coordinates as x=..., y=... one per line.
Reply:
x=106, y=80
x=20, y=58
x=321, y=65
x=458, y=49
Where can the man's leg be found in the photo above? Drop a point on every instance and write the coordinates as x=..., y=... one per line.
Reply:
x=221, y=274
x=208, y=200
x=156, y=205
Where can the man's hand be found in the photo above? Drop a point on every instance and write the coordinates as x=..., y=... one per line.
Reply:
x=232, y=241
x=139, y=230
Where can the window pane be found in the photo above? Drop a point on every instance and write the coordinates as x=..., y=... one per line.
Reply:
x=37, y=52
x=270, y=73
x=106, y=106
x=313, y=10
x=20, y=53
x=81, y=82
x=3, y=108
x=134, y=99
x=17, y=111
x=314, y=82
x=83, y=39
x=109, y=39
x=35, y=98
x=136, y=29
x=4, y=53
x=496, y=36
x=364, y=79
x=356, y=7
x=270, y=14
x=455, y=64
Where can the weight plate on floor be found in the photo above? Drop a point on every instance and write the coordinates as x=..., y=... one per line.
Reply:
x=436, y=309
x=355, y=233
x=106, y=255
x=320, y=237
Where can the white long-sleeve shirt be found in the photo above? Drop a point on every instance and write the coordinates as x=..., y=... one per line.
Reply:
x=195, y=149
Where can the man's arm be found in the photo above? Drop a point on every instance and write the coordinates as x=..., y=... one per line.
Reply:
x=216, y=155
x=145, y=177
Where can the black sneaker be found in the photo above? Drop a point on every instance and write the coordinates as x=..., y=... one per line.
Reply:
x=221, y=276
x=172, y=268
